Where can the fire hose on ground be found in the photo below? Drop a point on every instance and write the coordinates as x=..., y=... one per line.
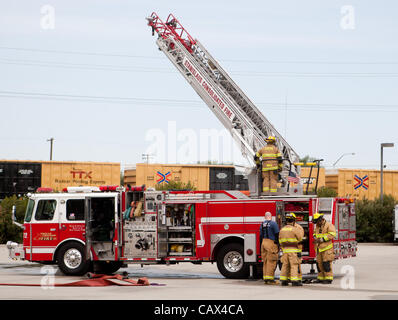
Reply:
x=95, y=280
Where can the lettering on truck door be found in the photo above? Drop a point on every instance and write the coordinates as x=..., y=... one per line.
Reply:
x=72, y=222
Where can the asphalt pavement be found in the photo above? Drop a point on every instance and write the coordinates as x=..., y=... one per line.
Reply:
x=371, y=275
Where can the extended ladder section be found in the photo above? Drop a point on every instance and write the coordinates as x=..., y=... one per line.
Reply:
x=226, y=100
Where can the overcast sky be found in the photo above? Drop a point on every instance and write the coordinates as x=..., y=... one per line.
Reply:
x=89, y=74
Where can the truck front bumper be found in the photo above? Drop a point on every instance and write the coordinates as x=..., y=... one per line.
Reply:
x=15, y=250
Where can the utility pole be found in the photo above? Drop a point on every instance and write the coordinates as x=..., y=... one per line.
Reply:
x=51, y=147
x=383, y=145
x=146, y=157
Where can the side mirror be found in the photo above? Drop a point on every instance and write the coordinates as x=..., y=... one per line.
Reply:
x=14, y=218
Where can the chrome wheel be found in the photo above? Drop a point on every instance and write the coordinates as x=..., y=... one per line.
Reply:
x=73, y=258
x=233, y=261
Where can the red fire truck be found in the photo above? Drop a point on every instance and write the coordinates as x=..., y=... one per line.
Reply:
x=87, y=228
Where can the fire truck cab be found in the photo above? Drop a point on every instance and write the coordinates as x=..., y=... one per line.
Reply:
x=102, y=229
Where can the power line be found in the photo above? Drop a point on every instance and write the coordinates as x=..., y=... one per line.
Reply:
x=80, y=53
x=244, y=73
x=313, y=107
x=39, y=63
x=226, y=60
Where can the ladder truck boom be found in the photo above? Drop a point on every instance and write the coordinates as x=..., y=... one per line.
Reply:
x=245, y=122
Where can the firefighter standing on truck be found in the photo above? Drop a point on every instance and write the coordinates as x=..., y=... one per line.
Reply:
x=269, y=233
x=323, y=235
x=269, y=156
x=290, y=238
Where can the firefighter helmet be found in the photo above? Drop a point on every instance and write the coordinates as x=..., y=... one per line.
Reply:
x=316, y=217
x=290, y=216
x=271, y=139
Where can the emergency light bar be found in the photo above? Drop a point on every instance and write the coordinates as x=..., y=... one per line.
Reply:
x=82, y=189
x=44, y=190
x=93, y=189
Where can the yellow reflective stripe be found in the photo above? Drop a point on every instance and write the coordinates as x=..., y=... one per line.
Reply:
x=298, y=163
x=325, y=237
x=290, y=250
x=258, y=155
x=273, y=190
x=329, y=278
x=321, y=235
x=295, y=278
x=268, y=278
x=321, y=278
x=270, y=155
x=283, y=278
x=330, y=246
x=270, y=168
x=279, y=154
x=288, y=239
x=287, y=228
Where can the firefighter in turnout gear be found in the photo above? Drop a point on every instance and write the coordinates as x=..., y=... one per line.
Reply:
x=290, y=238
x=323, y=235
x=269, y=233
x=300, y=246
x=269, y=157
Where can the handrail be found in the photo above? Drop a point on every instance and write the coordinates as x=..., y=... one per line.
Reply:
x=173, y=28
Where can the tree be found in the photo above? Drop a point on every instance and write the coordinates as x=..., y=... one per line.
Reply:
x=8, y=230
x=307, y=159
x=176, y=185
x=326, y=192
x=374, y=219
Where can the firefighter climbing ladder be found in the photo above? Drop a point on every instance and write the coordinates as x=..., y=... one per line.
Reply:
x=233, y=108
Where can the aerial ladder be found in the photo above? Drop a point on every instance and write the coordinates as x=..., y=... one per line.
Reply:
x=245, y=122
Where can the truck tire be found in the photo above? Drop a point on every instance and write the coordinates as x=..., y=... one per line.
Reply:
x=230, y=262
x=71, y=259
x=104, y=267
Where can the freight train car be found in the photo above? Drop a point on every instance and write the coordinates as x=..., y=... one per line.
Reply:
x=20, y=177
x=361, y=183
x=203, y=177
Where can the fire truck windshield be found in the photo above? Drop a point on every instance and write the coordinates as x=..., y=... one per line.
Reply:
x=29, y=210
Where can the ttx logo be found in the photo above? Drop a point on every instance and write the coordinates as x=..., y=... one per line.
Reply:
x=80, y=174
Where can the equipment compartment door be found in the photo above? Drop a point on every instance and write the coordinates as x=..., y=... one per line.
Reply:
x=88, y=220
x=100, y=217
x=162, y=231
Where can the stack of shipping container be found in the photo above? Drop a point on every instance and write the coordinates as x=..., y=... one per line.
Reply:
x=361, y=183
x=203, y=177
x=21, y=177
